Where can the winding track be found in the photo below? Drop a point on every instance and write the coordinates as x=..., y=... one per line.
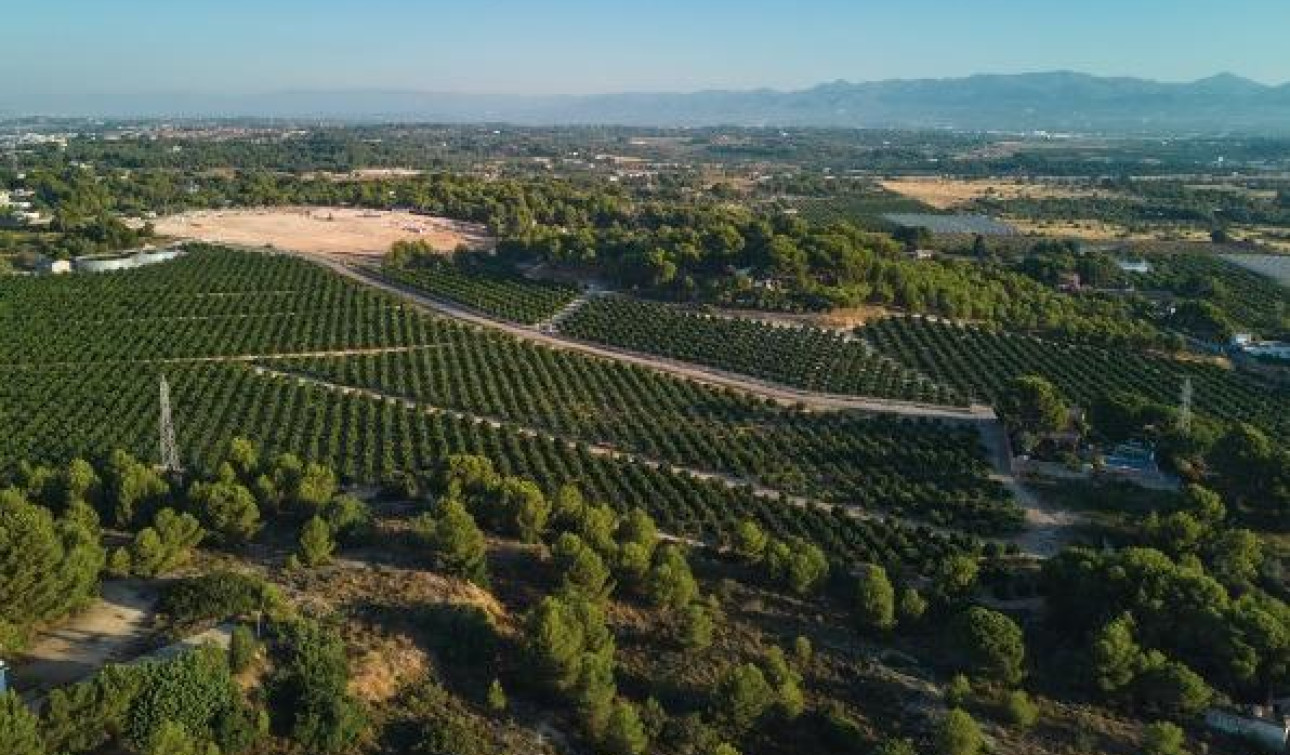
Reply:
x=721, y=378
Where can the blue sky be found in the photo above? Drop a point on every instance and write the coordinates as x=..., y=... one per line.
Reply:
x=579, y=46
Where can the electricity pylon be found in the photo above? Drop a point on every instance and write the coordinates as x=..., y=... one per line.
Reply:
x=169, y=449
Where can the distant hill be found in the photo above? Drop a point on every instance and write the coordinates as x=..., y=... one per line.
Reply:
x=1058, y=101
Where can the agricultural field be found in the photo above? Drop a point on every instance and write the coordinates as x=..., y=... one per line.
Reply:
x=897, y=466
x=504, y=295
x=865, y=211
x=1248, y=296
x=808, y=358
x=979, y=362
x=90, y=386
x=1274, y=266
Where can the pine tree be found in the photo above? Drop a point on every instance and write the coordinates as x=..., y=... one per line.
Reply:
x=19, y=727
x=316, y=543
x=624, y=734
x=457, y=544
x=875, y=599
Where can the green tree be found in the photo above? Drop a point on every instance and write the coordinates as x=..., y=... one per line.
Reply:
x=19, y=727
x=1235, y=557
x=457, y=545
x=173, y=738
x=48, y=567
x=315, y=487
x=797, y=563
x=624, y=733
x=227, y=509
x=671, y=583
x=956, y=576
x=697, y=627
x=583, y=572
x=244, y=456
x=1020, y=710
x=1117, y=659
x=990, y=644
x=496, y=698
x=130, y=487
x=349, y=518
x=1163, y=738
x=875, y=599
x=309, y=687
x=638, y=528
x=750, y=540
x=527, y=508
x=896, y=747
x=1032, y=404
x=742, y=696
x=912, y=606
x=242, y=649
x=1171, y=689
x=959, y=734
x=316, y=544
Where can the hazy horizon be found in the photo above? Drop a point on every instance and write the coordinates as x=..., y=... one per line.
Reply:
x=575, y=47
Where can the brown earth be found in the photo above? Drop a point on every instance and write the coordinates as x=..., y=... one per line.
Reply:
x=342, y=232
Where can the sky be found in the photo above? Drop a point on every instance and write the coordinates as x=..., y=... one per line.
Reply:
x=68, y=47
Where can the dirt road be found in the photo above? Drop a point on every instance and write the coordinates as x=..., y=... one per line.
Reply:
x=112, y=629
x=707, y=375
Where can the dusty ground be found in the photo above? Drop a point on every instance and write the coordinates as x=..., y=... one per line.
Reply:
x=107, y=631
x=948, y=193
x=1097, y=230
x=331, y=231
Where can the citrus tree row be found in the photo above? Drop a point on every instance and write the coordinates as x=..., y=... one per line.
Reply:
x=52, y=414
x=229, y=303
x=503, y=295
x=811, y=358
x=907, y=467
x=980, y=361
x=211, y=302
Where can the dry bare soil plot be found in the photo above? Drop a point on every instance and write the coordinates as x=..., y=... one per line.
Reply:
x=330, y=231
x=949, y=193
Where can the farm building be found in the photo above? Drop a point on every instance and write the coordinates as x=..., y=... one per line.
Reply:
x=1134, y=266
x=102, y=263
x=47, y=266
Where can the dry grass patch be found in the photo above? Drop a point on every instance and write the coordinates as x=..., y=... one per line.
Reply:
x=950, y=193
x=328, y=231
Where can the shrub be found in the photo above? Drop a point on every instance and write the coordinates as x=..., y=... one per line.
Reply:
x=959, y=735
x=1020, y=710
x=1163, y=738
x=217, y=596
x=242, y=649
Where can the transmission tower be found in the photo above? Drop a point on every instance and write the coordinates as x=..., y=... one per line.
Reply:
x=1184, y=408
x=169, y=449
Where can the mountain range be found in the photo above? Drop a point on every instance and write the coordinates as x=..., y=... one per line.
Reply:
x=1054, y=101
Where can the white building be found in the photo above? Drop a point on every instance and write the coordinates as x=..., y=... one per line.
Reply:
x=1134, y=266
x=54, y=267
